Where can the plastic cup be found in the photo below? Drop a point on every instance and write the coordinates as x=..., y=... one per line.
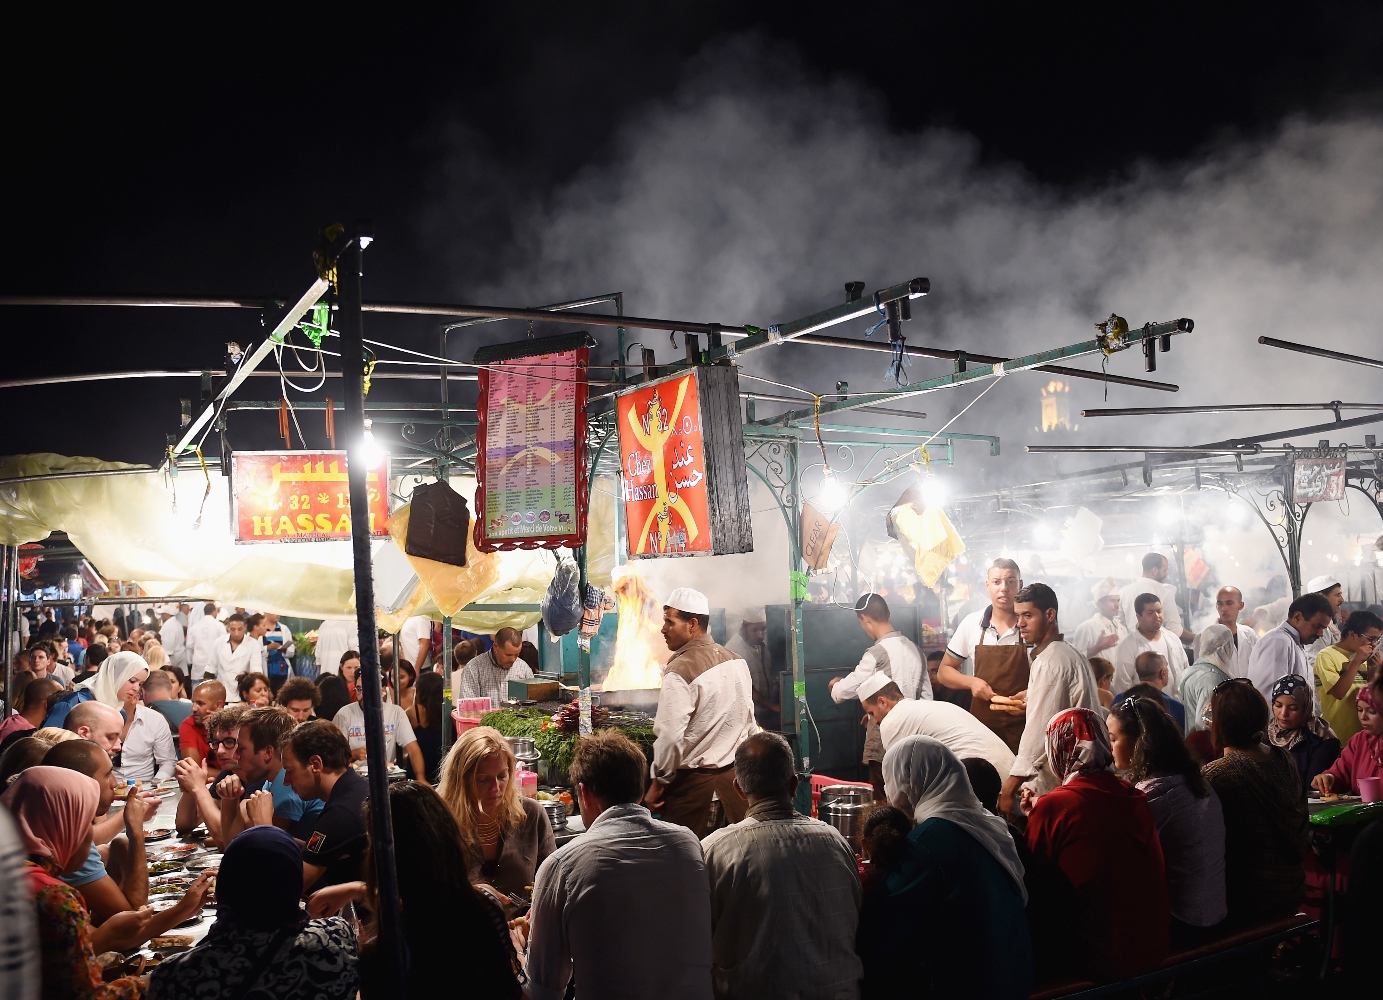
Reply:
x=1369, y=790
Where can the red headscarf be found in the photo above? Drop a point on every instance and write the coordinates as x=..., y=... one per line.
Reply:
x=1078, y=742
x=53, y=808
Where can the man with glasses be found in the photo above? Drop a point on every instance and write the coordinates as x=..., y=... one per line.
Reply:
x=197, y=804
x=1342, y=670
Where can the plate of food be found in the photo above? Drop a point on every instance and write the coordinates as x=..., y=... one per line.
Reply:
x=165, y=867
x=203, y=863
x=173, y=852
x=154, y=833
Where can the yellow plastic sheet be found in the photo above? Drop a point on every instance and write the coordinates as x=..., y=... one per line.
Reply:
x=933, y=539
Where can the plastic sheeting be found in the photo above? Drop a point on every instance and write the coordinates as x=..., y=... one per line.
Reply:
x=144, y=526
x=932, y=538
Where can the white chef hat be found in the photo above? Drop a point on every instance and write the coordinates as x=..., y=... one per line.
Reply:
x=165, y=609
x=1321, y=584
x=873, y=684
x=1105, y=588
x=688, y=601
x=755, y=616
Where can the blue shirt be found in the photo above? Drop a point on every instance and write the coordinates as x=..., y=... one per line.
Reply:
x=1175, y=709
x=302, y=816
x=92, y=870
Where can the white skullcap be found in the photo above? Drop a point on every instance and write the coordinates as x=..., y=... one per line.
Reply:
x=755, y=616
x=689, y=601
x=165, y=609
x=1321, y=584
x=873, y=684
x=1105, y=588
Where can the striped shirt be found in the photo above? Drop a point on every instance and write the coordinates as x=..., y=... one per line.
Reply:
x=481, y=678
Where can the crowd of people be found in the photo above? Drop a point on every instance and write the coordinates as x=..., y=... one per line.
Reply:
x=1072, y=815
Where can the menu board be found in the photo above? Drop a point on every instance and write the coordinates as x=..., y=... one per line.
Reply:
x=531, y=461
x=300, y=496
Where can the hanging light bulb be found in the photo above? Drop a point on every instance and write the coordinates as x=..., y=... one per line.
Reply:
x=934, y=492
x=833, y=494
x=370, y=450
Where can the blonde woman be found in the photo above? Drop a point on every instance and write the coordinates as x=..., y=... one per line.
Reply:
x=155, y=655
x=506, y=835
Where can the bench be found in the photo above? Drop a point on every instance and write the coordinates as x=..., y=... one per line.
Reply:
x=1236, y=945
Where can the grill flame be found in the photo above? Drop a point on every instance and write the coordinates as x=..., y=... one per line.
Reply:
x=640, y=651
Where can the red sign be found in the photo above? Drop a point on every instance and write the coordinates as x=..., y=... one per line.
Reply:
x=300, y=496
x=663, y=469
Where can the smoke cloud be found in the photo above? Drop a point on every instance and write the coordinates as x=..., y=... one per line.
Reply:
x=758, y=189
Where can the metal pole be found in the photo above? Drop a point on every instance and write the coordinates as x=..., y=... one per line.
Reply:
x=392, y=945
x=8, y=623
x=1154, y=411
x=796, y=649
x=448, y=726
x=1320, y=352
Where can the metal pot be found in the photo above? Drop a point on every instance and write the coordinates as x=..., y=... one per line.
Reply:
x=556, y=812
x=524, y=749
x=845, y=793
x=847, y=817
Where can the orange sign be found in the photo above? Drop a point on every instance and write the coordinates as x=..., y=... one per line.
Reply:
x=663, y=469
x=300, y=496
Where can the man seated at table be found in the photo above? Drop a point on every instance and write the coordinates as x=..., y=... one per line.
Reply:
x=398, y=732
x=1152, y=670
x=301, y=697
x=208, y=698
x=259, y=787
x=116, y=903
x=626, y=906
x=198, y=804
x=158, y=695
x=317, y=762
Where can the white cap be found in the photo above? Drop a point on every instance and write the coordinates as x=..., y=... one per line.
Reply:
x=689, y=601
x=1105, y=588
x=755, y=616
x=873, y=684
x=165, y=609
x=1321, y=584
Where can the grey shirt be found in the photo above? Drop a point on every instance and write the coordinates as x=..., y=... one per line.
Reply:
x=482, y=679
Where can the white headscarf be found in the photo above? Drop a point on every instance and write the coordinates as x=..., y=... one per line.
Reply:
x=1217, y=646
x=115, y=671
x=927, y=774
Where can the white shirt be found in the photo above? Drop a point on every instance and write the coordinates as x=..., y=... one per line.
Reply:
x=627, y=906
x=705, y=709
x=766, y=939
x=1127, y=652
x=203, y=635
x=414, y=631
x=147, y=752
x=895, y=655
x=1243, y=650
x=975, y=629
x=1061, y=678
x=1095, y=628
x=962, y=733
x=173, y=639
x=61, y=673
x=1166, y=593
x=1279, y=652
x=228, y=664
x=334, y=638
x=398, y=731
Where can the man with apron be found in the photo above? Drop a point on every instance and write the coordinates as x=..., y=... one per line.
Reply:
x=894, y=655
x=987, y=657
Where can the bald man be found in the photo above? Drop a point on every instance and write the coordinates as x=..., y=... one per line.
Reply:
x=98, y=723
x=1229, y=605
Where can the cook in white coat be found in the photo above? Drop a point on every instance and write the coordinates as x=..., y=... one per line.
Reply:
x=1229, y=604
x=1154, y=581
x=1149, y=637
x=1105, y=629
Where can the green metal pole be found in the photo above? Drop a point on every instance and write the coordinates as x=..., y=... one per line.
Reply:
x=797, y=584
x=448, y=727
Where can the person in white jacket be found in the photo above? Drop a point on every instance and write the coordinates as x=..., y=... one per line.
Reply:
x=172, y=636
x=203, y=636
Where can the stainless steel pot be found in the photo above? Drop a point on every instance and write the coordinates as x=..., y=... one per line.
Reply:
x=524, y=749
x=845, y=793
x=847, y=817
x=556, y=812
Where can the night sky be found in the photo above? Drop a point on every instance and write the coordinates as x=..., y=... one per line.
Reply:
x=191, y=157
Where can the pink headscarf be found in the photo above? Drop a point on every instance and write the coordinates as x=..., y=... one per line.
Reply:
x=53, y=808
x=1373, y=745
x=1078, y=742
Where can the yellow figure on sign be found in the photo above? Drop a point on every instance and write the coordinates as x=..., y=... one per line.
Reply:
x=652, y=430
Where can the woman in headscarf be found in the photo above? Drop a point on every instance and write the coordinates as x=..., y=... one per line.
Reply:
x=1307, y=738
x=1260, y=792
x=53, y=808
x=1094, y=846
x=116, y=684
x=1212, y=668
x=263, y=941
x=1190, y=823
x=1363, y=755
x=959, y=860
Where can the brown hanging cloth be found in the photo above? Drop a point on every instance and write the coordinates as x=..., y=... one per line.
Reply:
x=283, y=424
x=331, y=424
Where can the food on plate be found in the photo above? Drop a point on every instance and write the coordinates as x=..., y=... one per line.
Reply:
x=165, y=867
x=168, y=942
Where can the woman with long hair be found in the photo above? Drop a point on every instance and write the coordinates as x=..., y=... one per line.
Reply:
x=155, y=655
x=1190, y=823
x=1264, y=805
x=349, y=671
x=426, y=718
x=506, y=835
x=408, y=680
x=254, y=689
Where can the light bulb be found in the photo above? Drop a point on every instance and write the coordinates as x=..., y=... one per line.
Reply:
x=370, y=449
x=833, y=495
x=934, y=492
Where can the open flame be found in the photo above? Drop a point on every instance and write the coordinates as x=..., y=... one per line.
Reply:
x=640, y=651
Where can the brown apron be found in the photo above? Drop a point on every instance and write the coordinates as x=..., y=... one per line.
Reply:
x=1005, y=669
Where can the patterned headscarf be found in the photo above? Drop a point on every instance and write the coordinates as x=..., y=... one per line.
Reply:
x=1078, y=743
x=53, y=808
x=1296, y=687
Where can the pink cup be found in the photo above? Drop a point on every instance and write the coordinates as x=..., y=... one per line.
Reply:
x=1369, y=790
